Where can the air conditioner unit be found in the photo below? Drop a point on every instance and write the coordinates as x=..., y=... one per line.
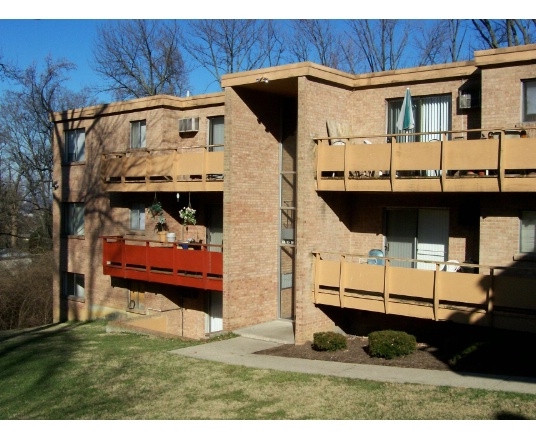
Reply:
x=468, y=100
x=188, y=124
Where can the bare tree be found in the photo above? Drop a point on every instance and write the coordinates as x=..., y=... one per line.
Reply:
x=315, y=40
x=273, y=42
x=140, y=58
x=457, y=31
x=351, y=57
x=26, y=140
x=382, y=43
x=439, y=41
x=228, y=46
x=493, y=34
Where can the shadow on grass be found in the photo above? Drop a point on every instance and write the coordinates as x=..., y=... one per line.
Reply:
x=35, y=355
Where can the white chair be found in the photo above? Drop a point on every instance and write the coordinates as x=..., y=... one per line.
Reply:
x=454, y=267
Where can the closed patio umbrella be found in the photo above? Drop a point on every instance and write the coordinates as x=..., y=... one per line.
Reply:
x=406, y=121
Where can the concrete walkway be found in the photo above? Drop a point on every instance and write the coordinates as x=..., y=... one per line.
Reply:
x=240, y=351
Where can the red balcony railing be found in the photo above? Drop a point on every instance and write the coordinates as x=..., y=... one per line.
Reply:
x=166, y=263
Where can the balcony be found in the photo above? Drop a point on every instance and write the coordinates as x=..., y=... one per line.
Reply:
x=502, y=297
x=200, y=266
x=197, y=169
x=502, y=162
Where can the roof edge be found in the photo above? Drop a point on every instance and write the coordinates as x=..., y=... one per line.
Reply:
x=344, y=79
x=147, y=102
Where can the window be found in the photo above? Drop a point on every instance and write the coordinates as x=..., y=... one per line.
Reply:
x=431, y=113
x=527, y=240
x=73, y=219
x=529, y=101
x=137, y=217
x=419, y=234
x=216, y=133
x=75, y=145
x=73, y=284
x=137, y=134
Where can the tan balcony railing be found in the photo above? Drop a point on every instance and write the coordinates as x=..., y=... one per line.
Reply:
x=502, y=161
x=198, y=169
x=166, y=263
x=502, y=297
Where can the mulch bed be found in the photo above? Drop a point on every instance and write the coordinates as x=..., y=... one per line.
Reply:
x=511, y=356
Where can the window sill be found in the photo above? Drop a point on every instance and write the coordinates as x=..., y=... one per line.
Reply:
x=529, y=256
x=76, y=299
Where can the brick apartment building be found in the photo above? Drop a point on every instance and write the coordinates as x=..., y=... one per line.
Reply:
x=311, y=204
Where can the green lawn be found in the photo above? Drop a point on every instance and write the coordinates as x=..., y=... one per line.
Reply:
x=78, y=371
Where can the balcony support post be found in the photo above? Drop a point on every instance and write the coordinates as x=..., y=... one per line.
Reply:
x=392, y=172
x=500, y=166
x=490, y=296
x=342, y=280
x=386, y=285
x=316, y=276
x=435, y=293
x=318, y=171
x=345, y=171
x=442, y=170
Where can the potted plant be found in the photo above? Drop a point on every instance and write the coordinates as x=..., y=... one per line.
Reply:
x=157, y=213
x=187, y=214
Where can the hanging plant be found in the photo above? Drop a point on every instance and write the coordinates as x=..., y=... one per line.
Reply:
x=187, y=215
x=157, y=212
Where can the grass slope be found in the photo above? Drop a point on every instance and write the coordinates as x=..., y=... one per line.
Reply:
x=78, y=371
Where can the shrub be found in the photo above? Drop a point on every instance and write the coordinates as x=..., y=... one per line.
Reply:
x=389, y=344
x=328, y=341
x=26, y=292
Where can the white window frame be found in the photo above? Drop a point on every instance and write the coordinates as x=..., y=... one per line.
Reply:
x=527, y=232
x=137, y=217
x=529, y=101
x=216, y=133
x=75, y=145
x=73, y=285
x=138, y=134
x=73, y=219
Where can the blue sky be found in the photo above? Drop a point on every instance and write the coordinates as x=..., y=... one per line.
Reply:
x=25, y=41
x=31, y=30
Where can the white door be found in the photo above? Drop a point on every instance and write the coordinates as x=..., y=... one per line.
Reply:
x=433, y=237
x=215, y=314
